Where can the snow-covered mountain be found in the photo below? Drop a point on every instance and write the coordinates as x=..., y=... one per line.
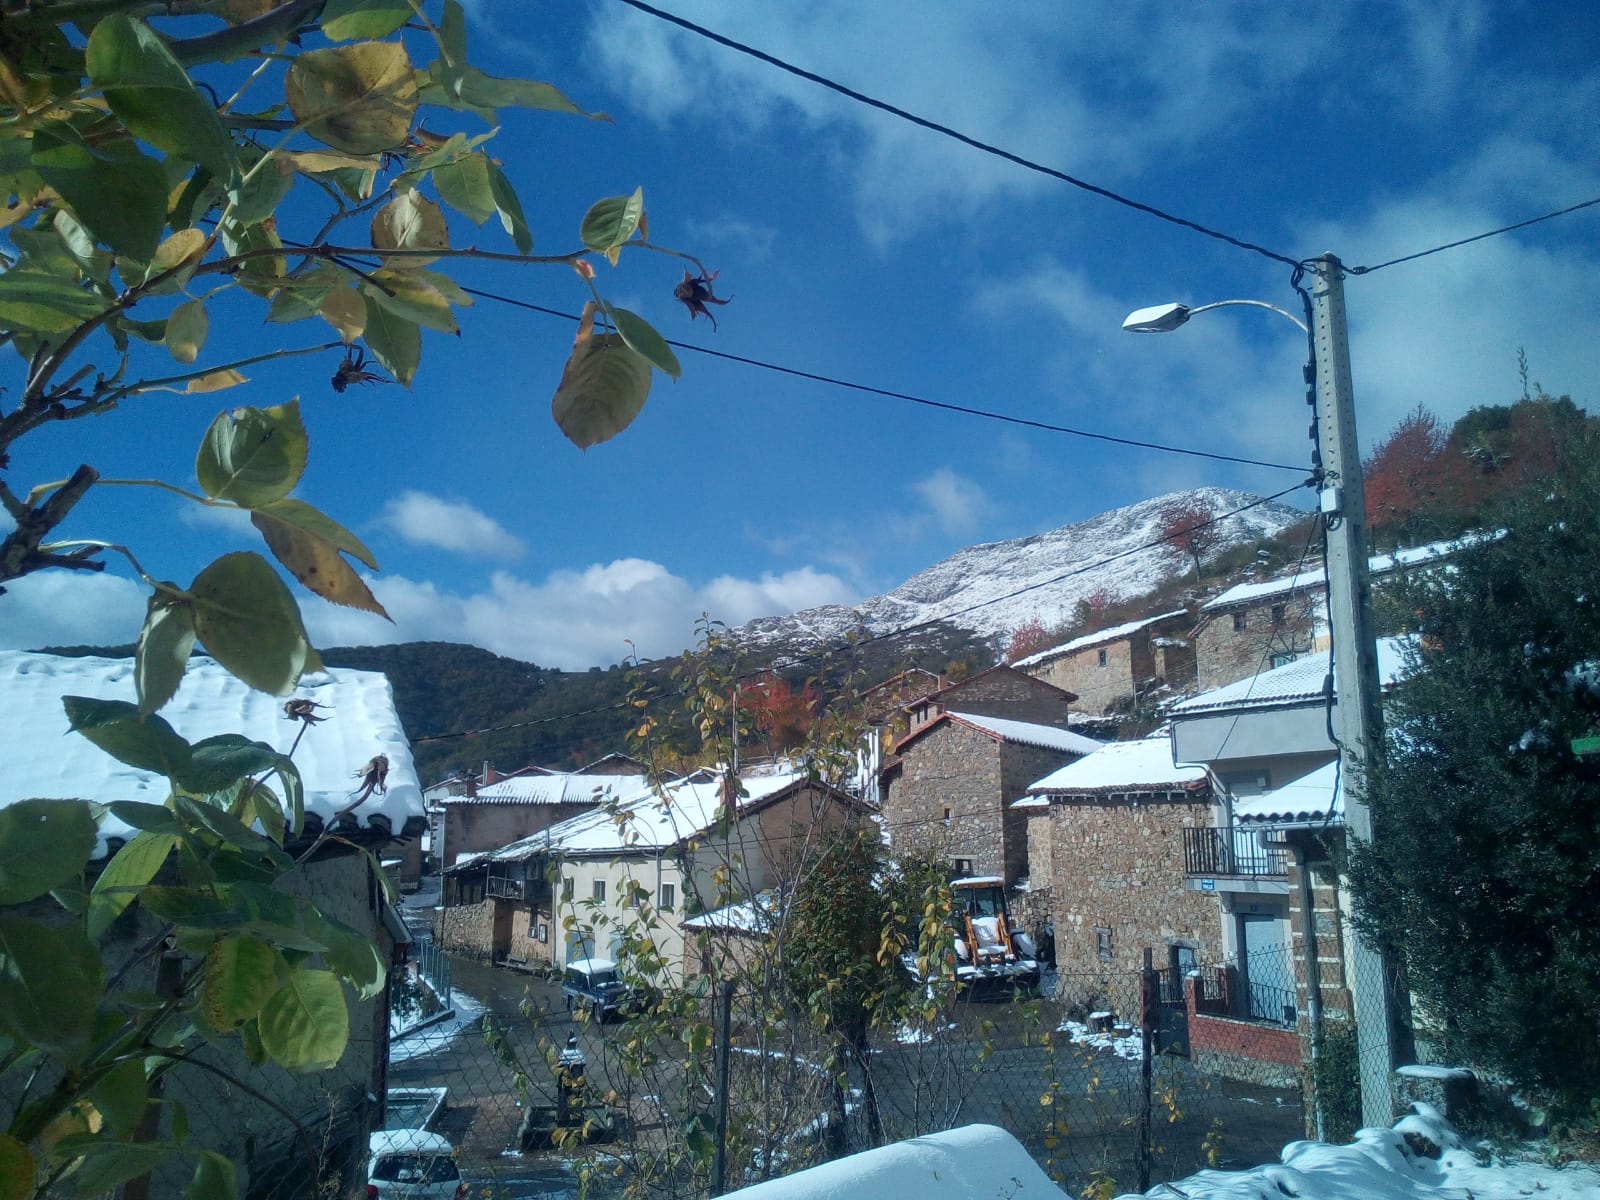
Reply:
x=992, y=588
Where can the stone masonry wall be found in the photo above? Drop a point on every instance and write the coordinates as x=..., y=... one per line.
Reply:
x=489, y=826
x=1007, y=693
x=1118, y=866
x=957, y=768
x=1021, y=767
x=1224, y=654
x=1097, y=687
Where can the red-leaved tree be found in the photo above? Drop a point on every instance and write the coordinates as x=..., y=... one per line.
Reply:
x=783, y=713
x=1190, y=526
x=1030, y=637
x=1404, y=471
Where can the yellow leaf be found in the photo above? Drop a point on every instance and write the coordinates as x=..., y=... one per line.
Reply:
x=216, y=381
x=346, y=310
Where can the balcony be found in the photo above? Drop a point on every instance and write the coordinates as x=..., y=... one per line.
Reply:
x=1232, y=852
x=511, y=887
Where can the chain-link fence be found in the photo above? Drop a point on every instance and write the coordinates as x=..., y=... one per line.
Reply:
x=1064, y=1068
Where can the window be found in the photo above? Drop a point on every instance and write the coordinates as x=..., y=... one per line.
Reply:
x=1102, y=944
x=963, y=867
x=1277, y=614
x=566, y=887
x=537, y=929
x=1102, y=658
x=1281, y=658
x=637, y=895
x=600, y=890
x=948, y=813
x=1239, y=621
x=669, y=896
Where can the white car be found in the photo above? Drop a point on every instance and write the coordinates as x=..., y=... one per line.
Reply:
x=413, y=1164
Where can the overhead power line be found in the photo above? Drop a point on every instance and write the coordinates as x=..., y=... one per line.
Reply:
x=957, y=135
x=826, y=651
x=1478, y=237
x=945, y=406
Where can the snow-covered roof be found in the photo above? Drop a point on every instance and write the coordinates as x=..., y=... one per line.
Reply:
x=1144, y=765
x=46, y=760
x=1378, y=564
x=647, y=822
x=1293, y=683
x=1026, y=733
x=1094, y=639
x=756, y=915
x=556, y=788
x=1318, y=796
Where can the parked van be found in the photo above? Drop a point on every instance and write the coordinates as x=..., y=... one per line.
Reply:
x=596, y=986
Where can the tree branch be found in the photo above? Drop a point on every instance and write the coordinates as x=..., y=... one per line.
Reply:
x=20, y=553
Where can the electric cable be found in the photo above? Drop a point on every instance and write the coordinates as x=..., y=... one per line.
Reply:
x=1478, y=237
x=964, y=139
x=986, y=414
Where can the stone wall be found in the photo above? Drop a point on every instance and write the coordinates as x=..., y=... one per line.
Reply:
x=1116, y=865
x=466, y=929
x=1237, y=642
x=1099, y=686
x=1021, y=767
x=490, y=825
x=1009, y=693
x=951, y=767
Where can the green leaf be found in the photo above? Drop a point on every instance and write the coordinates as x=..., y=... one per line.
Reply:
x=453, y=32
x=119, y=193
x=148, y=743
x=465, y=186
x=154, y=818
x=232, y=833
x=45, y=303
x=260, y=191
x=510, y=210
x=220, y=762
x=122, y=1095
x=49, y=985
x=241, y=974
x=16, y=1169
x=190, y=908
x=249, y=622
x=128, y=872
x=263, y=273
x=395, y=341
x=215, y=1178
x=305, y=1025
x=350, y=955
x=642, y=338
x=359, y=98
x=309, y=545
x=253, y=456
x=465, y=87
x=187, y=327
x=346, y=310
x=163, y=653
x=346, y=20
x=106, y=1166
x=149, y=89
x=43, y=843
x=602, y=389
x=410, y=222
x=612, y=221
x=406, y=295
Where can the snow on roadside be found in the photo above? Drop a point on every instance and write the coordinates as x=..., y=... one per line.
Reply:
x=1420, y=1158
x=1130, y=1046
x=467, y=1012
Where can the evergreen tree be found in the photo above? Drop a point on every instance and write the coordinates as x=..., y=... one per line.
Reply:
x=1485, y=869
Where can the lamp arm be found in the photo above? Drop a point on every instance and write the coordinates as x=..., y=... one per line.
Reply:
x=1282, y=312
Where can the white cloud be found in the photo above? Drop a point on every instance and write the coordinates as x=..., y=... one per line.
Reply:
x=207, y=516
x=451, y=525
x=957, y=503
x=70, y=608
x=575, y=618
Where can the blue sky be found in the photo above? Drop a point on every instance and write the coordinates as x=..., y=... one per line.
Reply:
x=859, y=246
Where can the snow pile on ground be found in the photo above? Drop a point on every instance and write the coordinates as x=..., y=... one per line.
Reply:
x=430, y=1038
x=1129, y=1046
x=1421, y=1158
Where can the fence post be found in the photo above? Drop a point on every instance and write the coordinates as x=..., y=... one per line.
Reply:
x=719, y=1161
x=1149, y=1015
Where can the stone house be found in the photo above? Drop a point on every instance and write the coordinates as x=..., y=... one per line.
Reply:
x=1112, y=669
x=1105, y=854
x=1268, y=861
x=950, y=788
x=344, y=1102
x=578, y=888
x=1001, y=691
x=489, y=817
x=1253, y=627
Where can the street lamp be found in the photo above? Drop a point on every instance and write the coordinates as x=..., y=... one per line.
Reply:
x=1358, y=717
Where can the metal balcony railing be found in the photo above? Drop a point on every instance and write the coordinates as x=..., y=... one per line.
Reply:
x=1231, y=850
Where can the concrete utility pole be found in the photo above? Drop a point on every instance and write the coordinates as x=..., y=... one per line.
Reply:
x=1358, y=714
